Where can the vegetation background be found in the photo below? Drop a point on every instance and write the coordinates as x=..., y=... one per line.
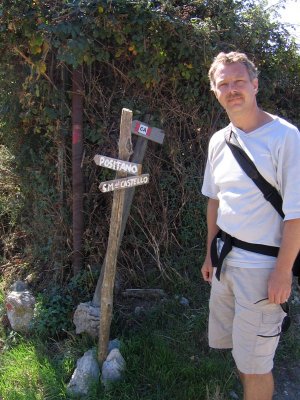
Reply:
x=151, y=57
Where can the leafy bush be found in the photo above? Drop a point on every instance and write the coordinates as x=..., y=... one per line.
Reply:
x=151, y=57
x=55, y=307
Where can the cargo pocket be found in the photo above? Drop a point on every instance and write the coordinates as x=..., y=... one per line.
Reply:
x=271, y=325
x=268, y=334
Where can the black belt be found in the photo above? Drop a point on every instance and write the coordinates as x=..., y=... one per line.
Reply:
x=229, y=242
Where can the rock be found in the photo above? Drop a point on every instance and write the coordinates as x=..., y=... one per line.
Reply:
x=19, y=286
x=296, y=300
x=20, y=308
x=85, y=375
x=144, y=293
x=113, y=367
x=233, y=395
x=114, y=344
x=139, y=311
x=184, y=301
x=87, y=318
x=30, y=278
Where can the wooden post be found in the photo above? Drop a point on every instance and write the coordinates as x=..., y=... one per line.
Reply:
x=106, y=306
x=156, y=135
x=138, y=157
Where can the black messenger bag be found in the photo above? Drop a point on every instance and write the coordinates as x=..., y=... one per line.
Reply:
x=270, y=193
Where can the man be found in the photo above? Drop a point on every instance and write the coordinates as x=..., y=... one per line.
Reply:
x=245, y=303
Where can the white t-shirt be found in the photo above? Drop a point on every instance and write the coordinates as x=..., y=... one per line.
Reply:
x=243, y=211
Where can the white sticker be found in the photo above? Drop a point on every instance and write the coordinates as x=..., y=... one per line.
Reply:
x=143, y=129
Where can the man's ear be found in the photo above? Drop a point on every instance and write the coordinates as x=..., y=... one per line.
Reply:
x=255, y=84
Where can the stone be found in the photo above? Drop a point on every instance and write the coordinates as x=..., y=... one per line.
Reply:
x=113, y=367
x=30, y=278
x=19, y=286
x=85, y=376
x=20, y=308
x=87, y=319
x=233, y=395
x=184, y=301
x=144, y=293
x=114, y=344
x=296, y=300
x=139, y=310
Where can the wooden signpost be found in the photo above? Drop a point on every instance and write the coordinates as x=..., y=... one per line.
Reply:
x=141, y=129
x=123, y=188
x=123, y=183
x=118, y=165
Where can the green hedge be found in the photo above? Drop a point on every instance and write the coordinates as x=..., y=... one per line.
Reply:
x=151, y=57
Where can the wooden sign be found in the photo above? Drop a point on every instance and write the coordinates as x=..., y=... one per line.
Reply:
x=124, y=183
x=145, y=131
x=118, y=165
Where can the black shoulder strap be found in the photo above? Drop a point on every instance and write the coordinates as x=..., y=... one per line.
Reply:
x=245, y=162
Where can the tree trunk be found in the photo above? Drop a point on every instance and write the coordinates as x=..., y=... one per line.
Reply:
x=77, y=175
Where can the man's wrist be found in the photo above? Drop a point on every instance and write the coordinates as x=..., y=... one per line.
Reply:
x=283, y=268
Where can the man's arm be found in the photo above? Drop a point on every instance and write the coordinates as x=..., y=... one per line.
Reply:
x=212, y=230
x=280, y=282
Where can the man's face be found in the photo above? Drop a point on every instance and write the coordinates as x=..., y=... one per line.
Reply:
x=234, y=89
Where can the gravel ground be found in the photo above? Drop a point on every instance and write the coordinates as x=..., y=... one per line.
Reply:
x=287, y=382
x=287, y=375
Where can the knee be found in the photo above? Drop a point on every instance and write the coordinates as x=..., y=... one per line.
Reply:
x=247, y=379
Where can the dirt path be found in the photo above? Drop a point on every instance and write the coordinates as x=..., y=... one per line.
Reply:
x=287, y=375
x=287, y=380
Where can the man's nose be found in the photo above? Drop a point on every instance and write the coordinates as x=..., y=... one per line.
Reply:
x=232, y=87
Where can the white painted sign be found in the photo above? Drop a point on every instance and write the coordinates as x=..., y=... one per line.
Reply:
x=141, y=129
x=124, y=183
x=118, y=165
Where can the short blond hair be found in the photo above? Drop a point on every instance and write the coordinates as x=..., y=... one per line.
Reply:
x=230, y=58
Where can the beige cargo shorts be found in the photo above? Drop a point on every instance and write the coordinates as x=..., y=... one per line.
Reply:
x=242, y=319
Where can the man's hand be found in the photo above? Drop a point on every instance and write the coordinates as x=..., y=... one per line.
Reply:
x=212, y=230
x=280, y=281
x=207, y=271
x=279, y=286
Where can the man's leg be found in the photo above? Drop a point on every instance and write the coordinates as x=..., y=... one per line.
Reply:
x=221, y=313
x=257, y=386
x=256, y=332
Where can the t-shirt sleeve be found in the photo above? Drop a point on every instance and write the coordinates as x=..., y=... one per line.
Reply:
x=209, y=188
x=288, y=174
